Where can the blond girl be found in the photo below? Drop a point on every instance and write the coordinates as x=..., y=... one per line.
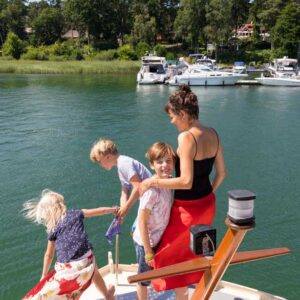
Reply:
x=75, y=267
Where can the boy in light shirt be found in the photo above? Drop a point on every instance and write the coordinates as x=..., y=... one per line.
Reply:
x=154, y=211
x=131, y=172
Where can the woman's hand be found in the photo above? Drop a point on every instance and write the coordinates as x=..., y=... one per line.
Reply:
x=146, y=184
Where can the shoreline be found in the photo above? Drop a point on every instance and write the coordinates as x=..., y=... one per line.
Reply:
x=68, y=67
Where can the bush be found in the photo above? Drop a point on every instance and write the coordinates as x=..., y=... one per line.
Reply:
x=141, y=49
x=33, y=53
x=260, y=56
x=126, y=52
x=13, y=46
x=160, y=50
x=106, y=55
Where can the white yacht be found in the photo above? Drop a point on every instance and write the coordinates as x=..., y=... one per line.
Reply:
x=153, y=70
x=282, y=72
x=239, y=67
x=211, y=63
x=198, y=74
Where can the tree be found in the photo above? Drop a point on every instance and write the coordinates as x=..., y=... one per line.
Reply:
x=190, y=21
x=12, y=18
x=239, y=13
x=34, y=9
x=13, y=46
x=48, y=26
x=286, y=32
x=218, y=16
x=123, y=18
x=144, y=29
x=162, y=11
x=264, y=14
x=96, y=18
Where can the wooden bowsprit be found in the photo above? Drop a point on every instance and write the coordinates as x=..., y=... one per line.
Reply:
x=215, y=267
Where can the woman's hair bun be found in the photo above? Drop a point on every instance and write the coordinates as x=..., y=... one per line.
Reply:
x=184, y=88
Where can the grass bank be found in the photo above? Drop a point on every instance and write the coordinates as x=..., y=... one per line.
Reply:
x=68, y=67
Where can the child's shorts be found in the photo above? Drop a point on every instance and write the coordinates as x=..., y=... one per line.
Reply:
x=143, y=267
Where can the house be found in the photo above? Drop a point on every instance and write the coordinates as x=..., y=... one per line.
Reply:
x=246, y=31
x=71, y=34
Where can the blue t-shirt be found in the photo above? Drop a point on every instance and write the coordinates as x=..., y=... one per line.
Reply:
x=71, y=241
x=129, y=167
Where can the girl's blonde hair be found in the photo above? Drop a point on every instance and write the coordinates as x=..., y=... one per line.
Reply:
x=102, y=148
x=47, y=210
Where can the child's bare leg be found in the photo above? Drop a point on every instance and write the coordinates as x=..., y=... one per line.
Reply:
x=109, y=292
x=182, y=293
x=141, y=292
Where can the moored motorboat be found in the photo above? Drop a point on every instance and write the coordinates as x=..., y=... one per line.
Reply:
x=201, y=75
x=153, y=70
x=282, y=72
x=239, y=67
x=279, y=81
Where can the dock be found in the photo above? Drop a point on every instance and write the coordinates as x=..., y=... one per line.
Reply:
x=247, y=82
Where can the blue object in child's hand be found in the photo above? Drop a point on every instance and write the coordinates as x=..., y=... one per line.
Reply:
x=113, y=229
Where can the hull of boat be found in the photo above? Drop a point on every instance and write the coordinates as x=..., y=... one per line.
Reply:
x=278, y=81
x=217, y=80
x=150, y=78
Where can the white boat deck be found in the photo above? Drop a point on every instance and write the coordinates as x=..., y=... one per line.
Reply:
x=125, y=291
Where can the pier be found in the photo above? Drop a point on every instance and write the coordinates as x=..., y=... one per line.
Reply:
x=247, y=82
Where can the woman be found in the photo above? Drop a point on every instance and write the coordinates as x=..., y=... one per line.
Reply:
x=199, y=150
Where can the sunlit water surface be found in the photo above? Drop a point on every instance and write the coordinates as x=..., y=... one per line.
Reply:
x=49, y=123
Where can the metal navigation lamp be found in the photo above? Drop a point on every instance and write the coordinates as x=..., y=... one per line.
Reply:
x=241, y=206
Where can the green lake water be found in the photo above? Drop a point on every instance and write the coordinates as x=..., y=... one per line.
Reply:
x=49, y=123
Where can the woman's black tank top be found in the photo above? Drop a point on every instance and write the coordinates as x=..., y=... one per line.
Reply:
x=201, y=183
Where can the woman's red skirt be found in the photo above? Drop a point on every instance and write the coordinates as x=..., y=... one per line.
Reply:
x=174, y=246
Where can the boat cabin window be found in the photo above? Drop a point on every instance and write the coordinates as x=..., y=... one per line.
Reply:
x=156, y=69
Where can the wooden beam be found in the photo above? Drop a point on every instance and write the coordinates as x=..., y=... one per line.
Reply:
x=203, y=263
x=197, y=264
x=248, y=256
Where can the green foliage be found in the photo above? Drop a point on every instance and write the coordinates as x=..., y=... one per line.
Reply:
x=260, y=56
x=105, y=55
x=286, y=32
x=48, y=26
x=13, y=46
x=160, y=50
x=126, y=52
x=144, y=30
x=33, y=53
x=104, y=25
x=12, y=18
x=190, y=21
x=141, y=48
